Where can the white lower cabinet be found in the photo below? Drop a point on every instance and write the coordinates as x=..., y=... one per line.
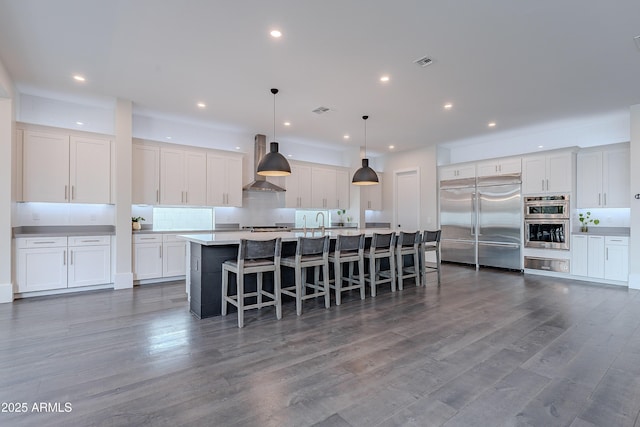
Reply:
x=158, y=255
x=174, y=256
x=89, y=261
x=600, y=257
x=57, y=263
x=616, y=259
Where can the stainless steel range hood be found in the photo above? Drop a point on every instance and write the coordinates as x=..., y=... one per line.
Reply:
x=260, y=182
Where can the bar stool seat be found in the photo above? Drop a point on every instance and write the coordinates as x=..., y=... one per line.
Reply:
x=259, y=257
x=310, y=253
x=350, y=250
x=408, y=244
x=430, y=243
x=382, y=247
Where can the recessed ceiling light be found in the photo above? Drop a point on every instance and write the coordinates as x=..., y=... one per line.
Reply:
x=79, y=78
x=289, y=155
x=346, y=136
x=201, y=105
x=79, y=123
x=492, y=124
x=540, y=146
x=275, y=33
x=448, y=106
x=287, y=123
x=168, y=137
x=237, y=148
x=391, y=147
x=384, y=78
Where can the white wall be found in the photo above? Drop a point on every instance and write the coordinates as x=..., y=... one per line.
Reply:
x=634, y=241
x=7, y=172
x=584, y=132
x=424, y=159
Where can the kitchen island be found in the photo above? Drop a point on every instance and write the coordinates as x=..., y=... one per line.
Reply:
x=207, y=252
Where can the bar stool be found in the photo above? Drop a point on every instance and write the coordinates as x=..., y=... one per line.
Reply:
x=310, y=253
x=259, y=257
x=430, y=243
x=349, y=249
x=382, y=246
x=408, y=244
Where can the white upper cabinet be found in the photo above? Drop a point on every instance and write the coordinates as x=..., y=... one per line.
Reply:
x=343, y=182
x=145, y=175
x=323, y=187
x=90, y=170
x=298, y=186
x=457, y=172
x=183, y=175
x=224, y=180
x=547, y=174
x=500, y=167
x=603, y=179
x=57, y=167
x=371, y=195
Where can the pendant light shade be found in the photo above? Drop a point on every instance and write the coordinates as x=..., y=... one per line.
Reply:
x=365, y=175
x=273, y=163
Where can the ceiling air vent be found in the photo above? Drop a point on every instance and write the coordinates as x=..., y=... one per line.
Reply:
x=320, y=110
x=424, y=61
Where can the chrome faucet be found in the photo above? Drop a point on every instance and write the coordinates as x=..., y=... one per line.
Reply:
x=322, y=226
x=304, y=227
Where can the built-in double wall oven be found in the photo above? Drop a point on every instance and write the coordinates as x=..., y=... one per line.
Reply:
x=547, y=222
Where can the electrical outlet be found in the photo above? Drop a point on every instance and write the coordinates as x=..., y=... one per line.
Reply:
x=93, y=218
x=36, y=216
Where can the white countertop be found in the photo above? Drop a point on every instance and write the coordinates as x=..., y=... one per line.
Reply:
x=226, y=238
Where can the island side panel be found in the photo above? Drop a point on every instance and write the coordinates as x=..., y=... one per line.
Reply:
x=206, y=277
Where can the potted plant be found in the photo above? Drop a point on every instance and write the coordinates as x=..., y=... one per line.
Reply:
x=585, y=220
x=342, y=212
x=135, y=222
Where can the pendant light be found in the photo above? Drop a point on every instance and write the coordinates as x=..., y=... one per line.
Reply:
x=365, y=175
x=274, y=163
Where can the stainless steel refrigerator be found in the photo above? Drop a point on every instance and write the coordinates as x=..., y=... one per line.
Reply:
x=482, y=221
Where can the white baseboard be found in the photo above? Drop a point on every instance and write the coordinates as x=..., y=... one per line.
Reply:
x=634, y=281
x=6, y=292
x=123, y=281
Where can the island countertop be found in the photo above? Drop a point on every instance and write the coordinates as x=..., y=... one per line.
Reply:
x=227, y=238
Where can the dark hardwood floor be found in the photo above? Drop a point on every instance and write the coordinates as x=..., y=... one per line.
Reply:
x=487, y=348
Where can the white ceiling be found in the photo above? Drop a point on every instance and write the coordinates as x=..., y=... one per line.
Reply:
x=518, y=63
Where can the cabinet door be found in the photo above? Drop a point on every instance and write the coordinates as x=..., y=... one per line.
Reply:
x=533, y=175
x=323, y=188
x=447, y=173
x=343, y=182
x=595, y=259
x=589, y=180
x=145, y=175
x=616, y=263
x=195, y=178
x=147, y=261
x=234, y=181
x=559, y=173
x=90, y=170
x=298, y=186
x=372, y=195
x=45, y=167
x=579, y=255
x=42, y=269
x=216, y=180
x=488, y=169
x=174, y=259
x=172, y=176
x=510, y=166
x=615, y=179
x=89, y=265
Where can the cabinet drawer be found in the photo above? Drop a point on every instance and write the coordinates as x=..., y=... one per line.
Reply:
x=89, y=240
x=617, y=240
x=41, y=242
x=147, y=238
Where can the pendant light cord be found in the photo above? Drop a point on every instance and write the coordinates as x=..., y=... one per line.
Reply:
x=365, y=134
x=274, y=117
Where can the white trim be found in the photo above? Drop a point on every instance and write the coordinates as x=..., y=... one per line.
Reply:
x=123, y=281
x=6, y=292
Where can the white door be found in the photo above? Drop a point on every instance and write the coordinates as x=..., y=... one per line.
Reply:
x=89, y=265
x=174, y=258
x=146, y=175
x=407, y=200
x=90, y=170
x=45, y=167
x=42, y=269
